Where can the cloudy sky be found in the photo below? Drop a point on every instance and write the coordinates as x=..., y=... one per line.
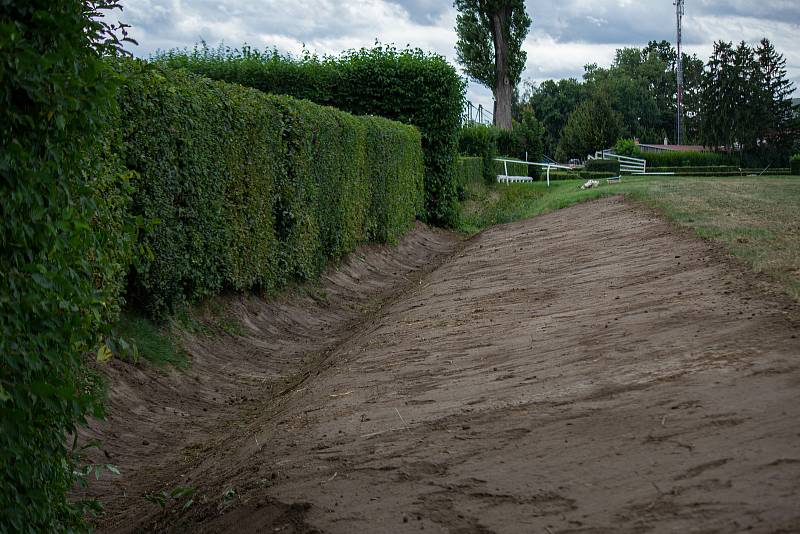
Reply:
x=565, y=34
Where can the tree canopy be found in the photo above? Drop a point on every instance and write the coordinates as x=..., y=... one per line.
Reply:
x=739, y=100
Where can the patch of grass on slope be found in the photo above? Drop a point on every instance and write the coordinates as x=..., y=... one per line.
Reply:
x=756, y=219
x=153, y=342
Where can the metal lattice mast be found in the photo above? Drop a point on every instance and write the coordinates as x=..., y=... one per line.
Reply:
x=679, y=70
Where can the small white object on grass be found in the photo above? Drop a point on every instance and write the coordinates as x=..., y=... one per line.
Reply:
x=590, y=184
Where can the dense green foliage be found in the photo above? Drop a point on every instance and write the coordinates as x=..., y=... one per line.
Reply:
x=640, y=87
x=253, y=190
x=592, y=126
x=409, y=86
x=746, y=102
x=553, y=102
x=65, y=244
x=795, y=165
x=603, y=165
x=627, y=147
x=489, y=47
x=739, y=101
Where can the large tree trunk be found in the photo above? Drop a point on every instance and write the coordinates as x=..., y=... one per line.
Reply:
x=503, y=92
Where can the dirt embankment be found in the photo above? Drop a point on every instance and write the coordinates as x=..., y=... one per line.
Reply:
x=161, y=423
x=592, y=370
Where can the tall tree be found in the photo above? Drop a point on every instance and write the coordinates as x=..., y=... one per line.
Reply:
x=553, y=102
x=692, y=96
x=776, y=113
x=490, y=36
x=717, y=105
x=593, y=126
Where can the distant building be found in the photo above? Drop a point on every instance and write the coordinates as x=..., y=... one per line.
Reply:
x=670, y=148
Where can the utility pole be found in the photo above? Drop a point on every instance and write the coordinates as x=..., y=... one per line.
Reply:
x=679, y=69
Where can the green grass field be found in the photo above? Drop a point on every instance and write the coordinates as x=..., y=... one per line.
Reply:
x=755, y=219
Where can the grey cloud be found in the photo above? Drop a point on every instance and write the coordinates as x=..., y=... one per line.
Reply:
x=424, y=12
x=785, y=11
x=607, y=23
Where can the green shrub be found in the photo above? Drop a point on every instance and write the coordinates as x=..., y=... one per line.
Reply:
x=794, y=164
x=66, y=243
x=603, y=165
x=627, y=147
x=253, y=190
x=688, y=159
x=409, y=86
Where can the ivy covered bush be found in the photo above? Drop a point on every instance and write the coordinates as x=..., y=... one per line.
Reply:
x=409, y=86
x=65, y=243
x=250, y=190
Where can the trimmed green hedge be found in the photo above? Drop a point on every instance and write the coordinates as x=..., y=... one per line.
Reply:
x=603, y=165
x=408, y=85
x=699, y=168
x=251, y=190
x=688, y=159
x=66, y=243
x=794, y=164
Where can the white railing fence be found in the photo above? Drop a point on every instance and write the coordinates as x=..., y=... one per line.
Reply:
x=505, y=178
x=626, y=163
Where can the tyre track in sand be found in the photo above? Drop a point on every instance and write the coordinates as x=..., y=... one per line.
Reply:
x=591, y=370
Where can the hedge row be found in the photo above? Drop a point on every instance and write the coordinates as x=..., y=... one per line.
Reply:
x=603, y=165
x=688, y=159
x=696, y=168
x=66, y=244
x=409, y=86
x=253, y=190
x=794, y=164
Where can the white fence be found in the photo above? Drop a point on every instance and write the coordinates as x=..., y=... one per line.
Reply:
x=505, y=178
x=626, y=163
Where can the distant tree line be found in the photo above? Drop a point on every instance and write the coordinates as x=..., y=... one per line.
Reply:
x=740, y=100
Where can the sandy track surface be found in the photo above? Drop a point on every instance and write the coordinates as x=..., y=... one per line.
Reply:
x=592, y=370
